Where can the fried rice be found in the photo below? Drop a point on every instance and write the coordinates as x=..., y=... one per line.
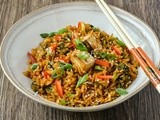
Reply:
x=81, y=66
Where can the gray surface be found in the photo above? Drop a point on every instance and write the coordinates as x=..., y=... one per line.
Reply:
x=15, y=106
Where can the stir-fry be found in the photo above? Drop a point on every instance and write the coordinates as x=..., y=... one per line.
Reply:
x=81, y=66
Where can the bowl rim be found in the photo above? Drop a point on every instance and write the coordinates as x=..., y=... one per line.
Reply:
x=66, y=108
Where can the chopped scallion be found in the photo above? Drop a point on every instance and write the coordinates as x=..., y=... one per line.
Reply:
x=57, y=72
x=34, y=66
x=121, y=43
x=98, y=68
x=44, y=35
x=67, y=66
x=63, y=102
x=121, y=91
x=80, y=45
x=104, y=55
x=70, y=95
x=62, y=31
x=82, y=80
x=60, y=70
x=52, y=34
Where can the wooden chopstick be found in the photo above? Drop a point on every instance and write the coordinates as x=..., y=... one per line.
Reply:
x=139, y=49
x=147, y=65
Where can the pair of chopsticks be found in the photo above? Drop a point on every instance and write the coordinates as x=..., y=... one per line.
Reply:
x=146, y=64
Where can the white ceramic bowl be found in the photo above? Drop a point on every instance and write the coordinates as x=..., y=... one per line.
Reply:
x=24, y=35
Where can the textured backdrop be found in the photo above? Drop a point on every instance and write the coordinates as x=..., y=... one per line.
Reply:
x=15, y=106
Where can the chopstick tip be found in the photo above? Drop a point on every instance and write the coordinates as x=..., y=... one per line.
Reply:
x=158, y=88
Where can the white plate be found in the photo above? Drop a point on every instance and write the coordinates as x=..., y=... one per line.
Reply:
x=24, y=35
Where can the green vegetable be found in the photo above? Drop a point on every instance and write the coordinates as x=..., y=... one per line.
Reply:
x=67, y=66
x=82, y=80
x=121, y=66
x=58, y=72
x=62, y=31
x=121, y=91
x=63, y=102
x=112, y=38
x=70, y=95
x=80, y=45
x=98, y=68
x=48, y=89
x=104, y=55
x=52, y=34
x=121, y=43
x=34, y=66
x=116, y=76
x=91, y=26
x=61, y=64
x=55, y=75
x=34, y=86
x=44, y=35
x=95, y=29
x=83, y=55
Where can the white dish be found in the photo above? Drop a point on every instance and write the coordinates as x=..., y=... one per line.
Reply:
x=24, y=35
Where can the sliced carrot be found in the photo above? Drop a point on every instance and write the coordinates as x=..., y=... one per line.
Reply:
x=117, y=50
x=54, y=46
x=45, y=74
x=59, y=88
x=105, y=76
x=102, y=63
x=58, y=37
x=31, y=57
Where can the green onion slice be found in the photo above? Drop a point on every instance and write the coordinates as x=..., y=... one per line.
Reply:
x=121, y=43
x=34, y=66
x=52, y=34
x=63, y=102
x=58, y=72
x=104, y=55
x=82, y=80
x=61, y=31
x=98, y=68
x=121, y=91
x=67, y=66
x=44, y=35
x=80, y=45
x=70, y=95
